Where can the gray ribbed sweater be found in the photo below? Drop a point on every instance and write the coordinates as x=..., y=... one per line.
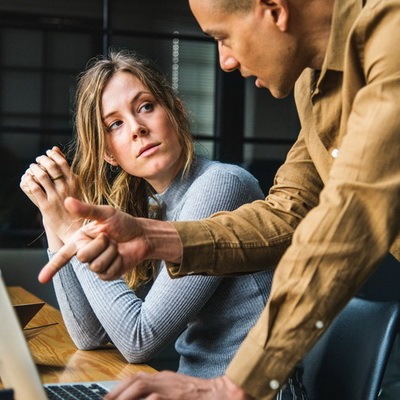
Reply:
x=208, y=316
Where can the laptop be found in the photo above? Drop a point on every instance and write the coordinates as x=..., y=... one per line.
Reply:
x=18, y=371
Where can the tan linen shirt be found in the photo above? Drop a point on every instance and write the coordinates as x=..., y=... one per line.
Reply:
x=339, y=188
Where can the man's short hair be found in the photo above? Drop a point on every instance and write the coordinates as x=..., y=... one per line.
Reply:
x=234, y=6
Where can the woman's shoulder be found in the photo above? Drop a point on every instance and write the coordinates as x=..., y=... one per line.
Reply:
x=209, y=172
x=212, y=167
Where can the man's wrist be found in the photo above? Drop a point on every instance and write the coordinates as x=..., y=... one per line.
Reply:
x=163, y=240
x=233, y=390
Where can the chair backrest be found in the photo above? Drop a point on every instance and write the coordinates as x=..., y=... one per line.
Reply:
x=349, y=360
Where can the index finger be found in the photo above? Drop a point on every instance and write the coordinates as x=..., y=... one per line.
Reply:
x=58, y=150
x=57, y=262
x=80, y=209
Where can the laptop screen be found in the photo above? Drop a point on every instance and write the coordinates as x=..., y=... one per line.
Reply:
x=17, y=369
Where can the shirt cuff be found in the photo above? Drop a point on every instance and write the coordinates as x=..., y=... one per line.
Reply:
x=199, y=255
x=258, y=374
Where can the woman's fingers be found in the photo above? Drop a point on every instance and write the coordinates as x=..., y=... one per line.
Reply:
x=32, y=188
x=51, y=168
x=54, y=164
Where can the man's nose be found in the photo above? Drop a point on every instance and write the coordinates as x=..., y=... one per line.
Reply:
x=226, y=60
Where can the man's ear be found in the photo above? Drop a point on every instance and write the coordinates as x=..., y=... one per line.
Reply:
x=108, y=157
x=277, y=11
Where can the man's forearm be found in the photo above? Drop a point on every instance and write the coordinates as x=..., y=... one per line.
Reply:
x=163, y=240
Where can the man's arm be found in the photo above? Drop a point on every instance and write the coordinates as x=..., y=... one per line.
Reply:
x=251, y=238
x=113, y=242
x=255, y=236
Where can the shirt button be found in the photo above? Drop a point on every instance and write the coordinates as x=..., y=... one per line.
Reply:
x=334, y=153
x=274, y=384
x=319, y=324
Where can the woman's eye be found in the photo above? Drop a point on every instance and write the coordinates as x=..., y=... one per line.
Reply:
x=114, y=125
x=147, y=107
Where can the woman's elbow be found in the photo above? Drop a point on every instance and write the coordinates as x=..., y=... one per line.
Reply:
x=138, y=355
x=87, y=343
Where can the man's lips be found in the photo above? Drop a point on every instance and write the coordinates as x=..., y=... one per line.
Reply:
x=144, y=149
x=257, y=81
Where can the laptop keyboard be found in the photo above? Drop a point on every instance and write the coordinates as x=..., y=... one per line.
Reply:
x=75, y=392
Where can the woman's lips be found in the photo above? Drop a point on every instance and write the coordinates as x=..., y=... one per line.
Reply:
x=148, y=150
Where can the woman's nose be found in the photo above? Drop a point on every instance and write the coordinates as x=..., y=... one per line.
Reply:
x=139, y=131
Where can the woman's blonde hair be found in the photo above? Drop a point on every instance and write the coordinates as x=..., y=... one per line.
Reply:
x=101, y=183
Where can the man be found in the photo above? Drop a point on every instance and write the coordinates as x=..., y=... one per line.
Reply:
x=338, y=191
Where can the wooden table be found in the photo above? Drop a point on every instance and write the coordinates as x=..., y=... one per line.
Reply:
x=56, y=356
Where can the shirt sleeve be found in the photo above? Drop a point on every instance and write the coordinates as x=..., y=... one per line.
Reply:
x=255, y=236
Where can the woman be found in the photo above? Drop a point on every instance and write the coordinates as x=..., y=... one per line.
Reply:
x=133, y=144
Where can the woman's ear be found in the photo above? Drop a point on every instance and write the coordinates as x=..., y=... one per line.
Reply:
x=108, y=157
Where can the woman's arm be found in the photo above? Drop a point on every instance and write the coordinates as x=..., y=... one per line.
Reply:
x=83, y=326
x=47, y=183
x=141, y=328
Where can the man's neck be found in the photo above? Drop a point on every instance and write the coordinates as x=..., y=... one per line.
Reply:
x=316, y=20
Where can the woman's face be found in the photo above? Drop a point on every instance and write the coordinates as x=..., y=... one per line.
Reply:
x=140, y=136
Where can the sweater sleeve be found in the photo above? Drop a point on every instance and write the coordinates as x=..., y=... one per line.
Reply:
x=83, y=326
x=141, y=328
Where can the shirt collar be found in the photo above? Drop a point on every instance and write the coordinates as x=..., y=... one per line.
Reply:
x=345, y=12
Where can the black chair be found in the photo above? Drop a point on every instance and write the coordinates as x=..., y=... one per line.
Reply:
x=349, y=360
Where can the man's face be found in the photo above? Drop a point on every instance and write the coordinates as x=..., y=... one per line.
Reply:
x=255, y=42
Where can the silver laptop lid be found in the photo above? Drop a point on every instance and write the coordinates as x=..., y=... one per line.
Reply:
x=17, y=369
